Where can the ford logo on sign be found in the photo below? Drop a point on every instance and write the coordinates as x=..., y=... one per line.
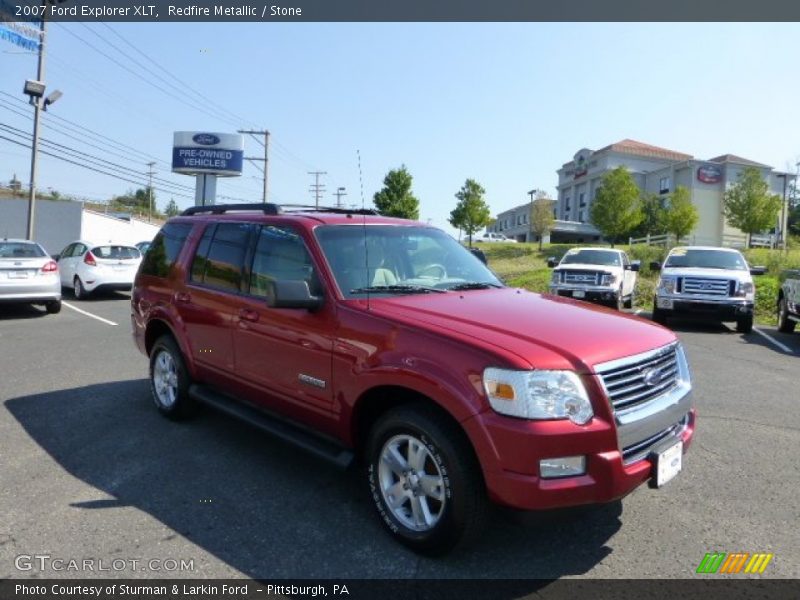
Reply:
x=205, y=139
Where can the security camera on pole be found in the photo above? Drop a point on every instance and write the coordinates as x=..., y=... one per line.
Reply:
x=207, y=156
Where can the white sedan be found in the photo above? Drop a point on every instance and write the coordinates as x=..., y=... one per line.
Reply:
x=86, y=267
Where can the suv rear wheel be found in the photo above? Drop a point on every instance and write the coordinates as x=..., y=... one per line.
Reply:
x=785, y=324
x=425, y=481
x=169, y=380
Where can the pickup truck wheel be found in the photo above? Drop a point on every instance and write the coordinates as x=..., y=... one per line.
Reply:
x=745, y=324
x=659, y=316
x=425, y=481
x=629, y=301
x=785, y=324
x=169, y=380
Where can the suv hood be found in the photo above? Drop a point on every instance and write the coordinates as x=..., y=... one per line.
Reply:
x=545, y=331
x=710, y=273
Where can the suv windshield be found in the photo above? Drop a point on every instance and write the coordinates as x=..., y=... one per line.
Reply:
x=115, y=252
x=393, y=259
x=592, y=257
x=706, y=259
x=20, y=250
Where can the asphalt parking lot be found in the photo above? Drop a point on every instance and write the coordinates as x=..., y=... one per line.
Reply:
x=91, y=471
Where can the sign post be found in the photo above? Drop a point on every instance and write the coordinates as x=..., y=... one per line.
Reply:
x=207, y=156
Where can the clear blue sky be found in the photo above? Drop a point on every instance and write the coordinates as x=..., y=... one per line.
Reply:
x=505, y=104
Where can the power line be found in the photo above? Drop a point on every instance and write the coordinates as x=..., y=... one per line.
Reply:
x=265, y=160
x=316, y=188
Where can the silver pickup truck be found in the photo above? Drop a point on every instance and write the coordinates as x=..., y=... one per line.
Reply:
x=789, y=301
x=707, y=282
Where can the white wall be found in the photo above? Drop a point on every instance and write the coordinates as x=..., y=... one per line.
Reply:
x=97, y=227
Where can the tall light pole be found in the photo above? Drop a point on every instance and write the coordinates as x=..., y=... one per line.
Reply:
x=339, y=193
x=150, y=192
x=35, y=93
x=532, y=194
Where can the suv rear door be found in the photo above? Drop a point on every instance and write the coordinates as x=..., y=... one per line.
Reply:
x=212, y=295
x=284, y=352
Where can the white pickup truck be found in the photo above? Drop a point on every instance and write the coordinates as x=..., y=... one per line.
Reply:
x=603, y=275
x=708, y=282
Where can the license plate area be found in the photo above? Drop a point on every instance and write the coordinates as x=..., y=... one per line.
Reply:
x=578, y=294
x=17, y=274
x=667, y=463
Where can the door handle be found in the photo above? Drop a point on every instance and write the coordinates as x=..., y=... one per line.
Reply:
x=247, y=314
x=183, y=297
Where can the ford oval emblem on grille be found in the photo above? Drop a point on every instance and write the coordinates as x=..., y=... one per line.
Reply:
x=205, y=139
x=653, y=377
x=706, y=286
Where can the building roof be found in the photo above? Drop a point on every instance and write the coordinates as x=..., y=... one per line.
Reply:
x=628, y=146
x=738, y=160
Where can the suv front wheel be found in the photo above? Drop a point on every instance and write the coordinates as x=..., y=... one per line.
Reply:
x=169, y=379
x=425, y=480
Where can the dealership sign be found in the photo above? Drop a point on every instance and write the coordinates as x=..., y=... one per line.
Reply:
x=709, y=174
x=201, y=152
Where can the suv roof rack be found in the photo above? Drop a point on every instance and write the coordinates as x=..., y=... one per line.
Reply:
x=274, y=209
x=218, y=209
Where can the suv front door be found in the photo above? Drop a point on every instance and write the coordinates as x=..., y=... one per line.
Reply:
x=285, y=352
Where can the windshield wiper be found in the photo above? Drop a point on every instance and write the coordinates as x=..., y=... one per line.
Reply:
x=473, y=285
x=396, y=289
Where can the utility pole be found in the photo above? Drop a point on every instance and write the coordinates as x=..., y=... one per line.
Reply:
x=150, y=191
x=37, y=109
x=265, y=160
x=317, y=188
x=339, y=193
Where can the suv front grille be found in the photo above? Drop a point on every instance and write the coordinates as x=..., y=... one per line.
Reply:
x=637, y=382
x=640, y=450
x=581, y=277
x=707, y=287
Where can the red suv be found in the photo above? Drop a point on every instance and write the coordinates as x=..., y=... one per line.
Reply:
x=357, y=336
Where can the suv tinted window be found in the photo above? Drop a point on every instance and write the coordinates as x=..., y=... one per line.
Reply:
x=222, y=266
x=280, y=254
x=165, y=249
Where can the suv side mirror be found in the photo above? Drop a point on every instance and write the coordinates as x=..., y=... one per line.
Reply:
x=758, y=270
x=655, y=266
x=290, y=293
x=552, y=262
x=635, y=266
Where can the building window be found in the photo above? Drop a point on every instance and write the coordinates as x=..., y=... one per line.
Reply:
x=581, y=199
x=566, y=203
x=663, y=185
x=580, y=216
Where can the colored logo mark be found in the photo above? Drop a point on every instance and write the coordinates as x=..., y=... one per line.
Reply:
x=735, y=562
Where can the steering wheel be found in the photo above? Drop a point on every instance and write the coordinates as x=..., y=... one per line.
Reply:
x=434, y=267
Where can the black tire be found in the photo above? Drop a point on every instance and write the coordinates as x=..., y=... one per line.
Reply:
x=659, y=316
x=182, y=406
x=629, y=301
x=785, y=324
x=53, y=307
x=463, y=512
x=78, y=290
x=745, y=324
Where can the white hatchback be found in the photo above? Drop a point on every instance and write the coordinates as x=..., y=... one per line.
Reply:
x=86, y=267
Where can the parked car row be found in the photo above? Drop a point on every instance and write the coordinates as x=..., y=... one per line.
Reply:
x=29, y=275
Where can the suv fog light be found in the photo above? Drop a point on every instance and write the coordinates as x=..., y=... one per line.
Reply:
x=568, y=466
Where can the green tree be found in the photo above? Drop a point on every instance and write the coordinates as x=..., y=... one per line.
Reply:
x=653, y=216
x=396, y=199
x=749, y=206
x=680, y=216
x=471, y=213
x=617, y=207
x=541, y=217
x=135, y=200
x=172, y=208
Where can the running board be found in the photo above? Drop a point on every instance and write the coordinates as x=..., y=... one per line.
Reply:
x=286, y=431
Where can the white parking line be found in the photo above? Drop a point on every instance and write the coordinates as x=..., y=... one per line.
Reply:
x=88, y=314
x=772, y=340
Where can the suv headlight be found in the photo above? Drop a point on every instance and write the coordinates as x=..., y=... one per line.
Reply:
x=608, y=279
x=667, y=285
x=555, y=278
x=538, y=394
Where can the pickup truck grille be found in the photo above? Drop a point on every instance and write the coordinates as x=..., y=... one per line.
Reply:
x=640, y=450
x=581, y=277
x=635, y=383
x=706, y=287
